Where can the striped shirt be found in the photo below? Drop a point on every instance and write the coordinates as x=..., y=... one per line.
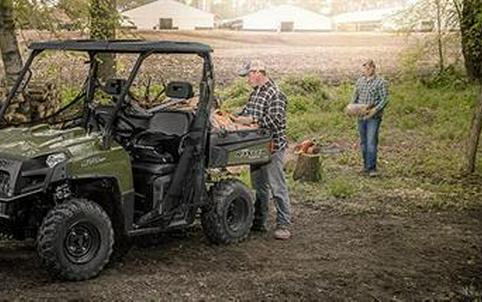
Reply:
x=267, y=106
x=373, y=92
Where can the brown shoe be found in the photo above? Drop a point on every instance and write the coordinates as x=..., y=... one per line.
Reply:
x=282, y=233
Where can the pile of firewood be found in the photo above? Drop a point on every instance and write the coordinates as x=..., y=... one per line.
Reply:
x=189, y=105
x=356, y=110
x=38, y=100
x=222, y=120
x=43, y=97
x=307, y=147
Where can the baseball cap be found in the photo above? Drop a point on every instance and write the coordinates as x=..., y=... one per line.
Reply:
x=254, y=65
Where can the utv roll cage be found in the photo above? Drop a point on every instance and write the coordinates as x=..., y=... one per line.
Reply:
x=141, y=47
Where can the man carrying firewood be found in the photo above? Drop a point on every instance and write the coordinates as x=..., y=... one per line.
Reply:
x=372, y=91
x=267, y=107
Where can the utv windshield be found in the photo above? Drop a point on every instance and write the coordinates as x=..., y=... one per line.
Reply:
x=52, y=90
x=62, y=88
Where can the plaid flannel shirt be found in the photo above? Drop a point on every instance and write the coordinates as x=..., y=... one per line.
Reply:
x=267, y=105
x=373, y=92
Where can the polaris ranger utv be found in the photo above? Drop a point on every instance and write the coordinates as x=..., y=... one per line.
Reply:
x=82, y=187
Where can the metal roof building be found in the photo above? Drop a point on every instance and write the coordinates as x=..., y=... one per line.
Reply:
x=282, y=18
x=386, y=19
x=168, y=14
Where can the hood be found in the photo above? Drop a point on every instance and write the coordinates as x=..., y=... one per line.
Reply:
x=41, y=140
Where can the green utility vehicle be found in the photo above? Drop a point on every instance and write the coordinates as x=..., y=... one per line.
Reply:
x=85, y=186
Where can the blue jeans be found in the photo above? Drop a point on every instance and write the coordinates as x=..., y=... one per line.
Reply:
x=368, y=130
x=266, y=178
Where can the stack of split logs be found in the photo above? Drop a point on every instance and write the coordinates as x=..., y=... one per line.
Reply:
x=222, y=120
x=38, y=100
x=44, y=99
x=308, y=165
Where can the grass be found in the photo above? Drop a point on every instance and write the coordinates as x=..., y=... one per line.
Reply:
x=421, y=145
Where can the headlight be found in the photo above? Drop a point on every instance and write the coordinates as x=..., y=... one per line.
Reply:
x=55, y=159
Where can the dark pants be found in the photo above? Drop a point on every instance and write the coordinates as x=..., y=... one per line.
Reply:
x=368, y=130
x=270, y=178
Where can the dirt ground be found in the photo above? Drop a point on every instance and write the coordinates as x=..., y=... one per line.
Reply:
x=434, y=256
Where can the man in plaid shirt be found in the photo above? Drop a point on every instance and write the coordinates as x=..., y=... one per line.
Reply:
x=371, y=90
x=267, y=108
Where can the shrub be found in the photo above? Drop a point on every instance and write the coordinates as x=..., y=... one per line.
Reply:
x=341, y=188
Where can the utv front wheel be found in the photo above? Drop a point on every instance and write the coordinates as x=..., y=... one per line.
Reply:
x=229, y=217
x=75, y=240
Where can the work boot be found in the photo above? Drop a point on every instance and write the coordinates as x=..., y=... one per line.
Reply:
x=259, y=227
x=373, y=173
x=282, y=233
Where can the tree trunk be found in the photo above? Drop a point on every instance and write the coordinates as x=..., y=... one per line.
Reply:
x=103, y=24
x=471, y=32
x=12, y=61
x=474, y=135
x=439, y=37
x=308, y=167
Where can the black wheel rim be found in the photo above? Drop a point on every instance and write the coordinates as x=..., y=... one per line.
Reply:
x=82, y=242
x=236, y=214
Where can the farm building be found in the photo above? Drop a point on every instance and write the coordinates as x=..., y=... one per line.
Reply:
x=367, y=20
x=283, y=18
x=168, y=14
x=387, y=19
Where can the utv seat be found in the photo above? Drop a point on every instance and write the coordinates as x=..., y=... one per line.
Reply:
x=166, y=128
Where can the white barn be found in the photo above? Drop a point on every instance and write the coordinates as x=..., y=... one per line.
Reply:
x=369, y=20
x=283, y=18
x=168, y=14
x=386, y=19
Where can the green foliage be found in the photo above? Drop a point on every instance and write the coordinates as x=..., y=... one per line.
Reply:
x=309, y=85
x=412, y=70
x=67, y=94
x=341, y=188
x=234, y=96
x=450, y=76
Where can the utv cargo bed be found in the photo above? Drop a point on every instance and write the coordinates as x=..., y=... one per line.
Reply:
x=240, y=147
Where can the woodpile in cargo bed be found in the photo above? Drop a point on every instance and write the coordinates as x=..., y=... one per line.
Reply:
x=222, y=120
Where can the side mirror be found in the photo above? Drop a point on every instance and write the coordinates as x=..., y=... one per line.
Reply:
x=179, y=90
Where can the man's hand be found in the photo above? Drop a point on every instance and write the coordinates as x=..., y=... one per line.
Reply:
x=245, y=120
x=370, y=113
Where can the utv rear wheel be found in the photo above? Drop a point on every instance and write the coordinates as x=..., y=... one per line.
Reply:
x=229, y=217
x=75, y=240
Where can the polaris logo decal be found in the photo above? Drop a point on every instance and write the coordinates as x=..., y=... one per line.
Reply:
x=250, y=154
x=92, y=161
